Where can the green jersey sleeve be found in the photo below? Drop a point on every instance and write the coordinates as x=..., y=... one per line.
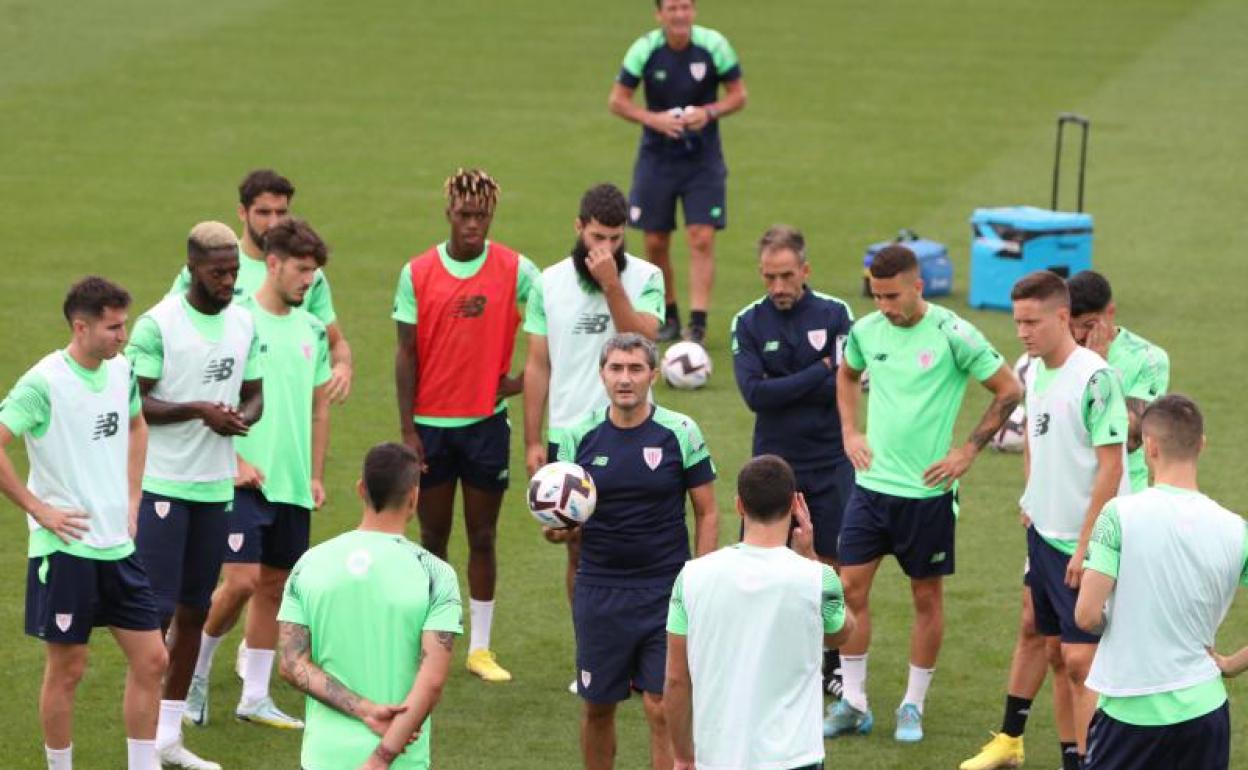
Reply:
x=446, y=611
x=527, y=276
x=722, y=53
x=292, y=609
x=28, y=407
x=320, y=300
x=971, y=350
x=146, y=349
x=254, y=370
x=677, y=619
x=1105, y=409
x=692, y=444
x=181, y=282
x=535, y=310
x=638, y=54
x=833, y=602
x=853, y=356
x=1152, y=378
x=323, y=369
x=136, y=400
x=405, y=298
x=1105, y=547
x=1243, y=575
x=651, y=300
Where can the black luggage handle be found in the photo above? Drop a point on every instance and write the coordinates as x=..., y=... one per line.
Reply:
x=1084, y=123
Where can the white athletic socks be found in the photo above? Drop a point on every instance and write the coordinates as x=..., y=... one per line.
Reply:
x=257, y=668
x=169, y=725
x=481, y=615
x=141, y=754
x=916, y=687
x=60, y=759
x=854, y=677
x=207, y=647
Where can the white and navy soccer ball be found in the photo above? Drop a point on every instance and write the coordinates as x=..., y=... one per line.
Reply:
x=1010, y=437
x=686, y=366
x=562, y=495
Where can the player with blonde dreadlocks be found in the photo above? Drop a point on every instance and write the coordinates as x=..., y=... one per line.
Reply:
x=452, y=375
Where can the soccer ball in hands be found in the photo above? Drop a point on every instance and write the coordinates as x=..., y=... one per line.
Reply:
x=562, y=495
x=686, y=366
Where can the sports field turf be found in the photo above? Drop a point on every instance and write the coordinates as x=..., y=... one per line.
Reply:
x=124, y=122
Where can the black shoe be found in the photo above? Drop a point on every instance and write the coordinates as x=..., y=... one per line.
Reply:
x=670, y=330
x=696, y=334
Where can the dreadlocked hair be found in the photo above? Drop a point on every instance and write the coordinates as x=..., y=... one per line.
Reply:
x=472, y=185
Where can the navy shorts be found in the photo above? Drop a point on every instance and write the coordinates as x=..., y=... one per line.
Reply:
x=181, y=544
x=261, y=532
x=621, y=640
x=1052, y=600
x=67, y=596
x=918, y=531
x=1203, y=743
x=479, y=454
x=827, y=491
x=658, y=182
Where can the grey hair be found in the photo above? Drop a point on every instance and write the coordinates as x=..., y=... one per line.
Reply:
x=783, y=237
x=626, y=343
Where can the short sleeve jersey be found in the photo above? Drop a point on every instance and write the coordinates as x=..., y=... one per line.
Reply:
x=294, y=354
x=637, y=535
x=689, y=77
x=319, y=300
x=1145, y=372
x=366, y=599
x=147, y=355
x=918, y=377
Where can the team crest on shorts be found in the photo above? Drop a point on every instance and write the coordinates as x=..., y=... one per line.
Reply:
x=162, y=508
x=653, y=455
x=586, y=678
x=817, y=338
x=64, y=620
x=634, y=213
x=698, y=70
x=926, y=357
x=235, y=541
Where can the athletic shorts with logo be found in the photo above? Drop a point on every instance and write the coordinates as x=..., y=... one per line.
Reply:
x=67, y=596
x=1203, y=743
x=699, y=183
x=621, y=640
x=262, y=532
x=918, y=531
x=479, y=454
x=1052, y=601
x=181, y=544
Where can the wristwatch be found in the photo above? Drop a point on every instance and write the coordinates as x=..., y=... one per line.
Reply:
x=711, y=112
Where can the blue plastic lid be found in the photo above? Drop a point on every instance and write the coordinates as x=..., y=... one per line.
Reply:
x=1023, y=217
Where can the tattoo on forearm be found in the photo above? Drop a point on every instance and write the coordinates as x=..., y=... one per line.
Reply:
x=446, y=639
x=996, y=415
x=296, y=645
x=340, y=697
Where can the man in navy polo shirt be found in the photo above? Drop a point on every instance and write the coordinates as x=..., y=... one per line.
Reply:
x=785, y=350
x=644, y=460
x=682, y=66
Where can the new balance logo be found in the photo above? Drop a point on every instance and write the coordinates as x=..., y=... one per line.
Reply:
x=472, y=306
x=1042, y=424
x=591, y=323
x=105, y=426
x=600, y=461
x=881, y=356
x=219, y=370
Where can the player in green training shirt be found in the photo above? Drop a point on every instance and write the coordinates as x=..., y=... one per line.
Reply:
x=78, y=412
x=281, y=472
x=368, y=623
x=264, y=198
x=904, y=502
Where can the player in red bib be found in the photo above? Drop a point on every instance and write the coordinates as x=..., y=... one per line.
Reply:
x=457, y=309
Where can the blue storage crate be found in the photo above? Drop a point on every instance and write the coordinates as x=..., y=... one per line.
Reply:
x=934, y=266
x=1010, y=242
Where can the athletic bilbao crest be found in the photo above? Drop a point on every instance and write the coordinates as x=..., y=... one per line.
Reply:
x=926, y=357
x=64, y=620
x=817, y=338
x=235, y=541
x=307, y=352
x=653, y=455
x=586, y=678
x=162, y=508
x=698, y=70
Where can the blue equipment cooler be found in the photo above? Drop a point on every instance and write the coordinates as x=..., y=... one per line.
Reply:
x=934, y=266
x=1008, y=243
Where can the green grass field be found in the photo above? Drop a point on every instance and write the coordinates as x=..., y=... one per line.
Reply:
x=123, y=123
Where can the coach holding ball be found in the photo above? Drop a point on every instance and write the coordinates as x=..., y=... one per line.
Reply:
x=682, y=66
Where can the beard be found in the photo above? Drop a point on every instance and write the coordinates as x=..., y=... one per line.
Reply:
x=580, y=252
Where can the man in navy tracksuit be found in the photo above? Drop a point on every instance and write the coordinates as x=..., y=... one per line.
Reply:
x=785, y=350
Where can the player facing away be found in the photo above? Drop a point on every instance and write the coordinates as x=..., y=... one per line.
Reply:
x=786, y=347
x=451, y=372
x=78, y=411
x=580, y=302
x=1144, y=369
x=196, y=359
x=746, y=629
x=680, y=158
x=1163, y=566
x=368, y=622
x=644, y=461
x=904, y=502
x=281, y=470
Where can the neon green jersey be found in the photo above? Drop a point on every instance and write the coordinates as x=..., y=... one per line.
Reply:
x=319, y=301
x=1145, y=372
